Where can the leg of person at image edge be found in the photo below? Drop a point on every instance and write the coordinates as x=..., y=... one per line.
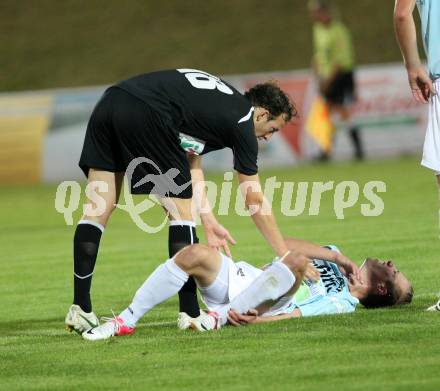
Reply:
x=436, y=306
x=169, y=278
x=431, y=150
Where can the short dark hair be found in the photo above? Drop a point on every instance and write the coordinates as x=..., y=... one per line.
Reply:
x=374, y=300
x=272, y=98
x=407, y=297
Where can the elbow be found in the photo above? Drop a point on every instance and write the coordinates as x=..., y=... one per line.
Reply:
x=401, y=16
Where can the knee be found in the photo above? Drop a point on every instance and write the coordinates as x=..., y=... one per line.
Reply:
x=105, y=215
x=99, y=213
x=192, y=256
x=297, y=263
x=109, y=209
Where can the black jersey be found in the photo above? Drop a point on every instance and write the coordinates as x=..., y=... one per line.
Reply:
x=207, y=113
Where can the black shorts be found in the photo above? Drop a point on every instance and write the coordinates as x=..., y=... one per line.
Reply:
x=125, y=135
x=341, y=90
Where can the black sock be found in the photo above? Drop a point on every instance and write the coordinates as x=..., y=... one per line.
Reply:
x=85, y=249
x=180, y=236
x=357, y=142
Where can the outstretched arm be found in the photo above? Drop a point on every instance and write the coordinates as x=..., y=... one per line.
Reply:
x=328, y=305
x=262, y=215
x=261, y=212
x=236, y=319
x=217, y=236
x=312, y=250
x=419, y=81
x=315, y=251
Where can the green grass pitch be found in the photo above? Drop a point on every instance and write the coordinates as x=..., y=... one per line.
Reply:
x=389, y=349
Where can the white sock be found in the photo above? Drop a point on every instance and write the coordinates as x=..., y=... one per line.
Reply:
x=163, y=283
x=273, y=283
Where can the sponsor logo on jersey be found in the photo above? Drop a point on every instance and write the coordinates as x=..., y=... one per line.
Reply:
x=331, y=276
x=191, y=144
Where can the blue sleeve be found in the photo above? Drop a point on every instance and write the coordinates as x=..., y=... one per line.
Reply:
x=326, y=306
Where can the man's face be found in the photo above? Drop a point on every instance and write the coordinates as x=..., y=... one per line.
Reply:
x=265, y=125
x=376, y=271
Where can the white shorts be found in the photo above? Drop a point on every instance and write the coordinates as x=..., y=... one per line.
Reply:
x=233, y=278
x=431, y=148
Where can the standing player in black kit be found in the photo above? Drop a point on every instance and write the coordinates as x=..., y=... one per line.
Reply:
x=172, y=118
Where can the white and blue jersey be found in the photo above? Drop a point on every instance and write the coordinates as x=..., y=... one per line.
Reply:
x=329, y=295
x=429, y=11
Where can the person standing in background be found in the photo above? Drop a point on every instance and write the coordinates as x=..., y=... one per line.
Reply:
x=333, y=66
x=423, y=86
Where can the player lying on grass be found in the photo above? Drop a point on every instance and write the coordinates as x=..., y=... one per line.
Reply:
x=231, y=290
x=380, y=284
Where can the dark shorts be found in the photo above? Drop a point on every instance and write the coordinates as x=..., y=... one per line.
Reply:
x=341, y=90
x=125, y=135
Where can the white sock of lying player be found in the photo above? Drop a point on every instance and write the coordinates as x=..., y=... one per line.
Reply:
x=273, y=283
x=163, y=283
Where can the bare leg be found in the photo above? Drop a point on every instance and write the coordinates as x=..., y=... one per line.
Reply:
x=113, y=182
x=438, y=189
